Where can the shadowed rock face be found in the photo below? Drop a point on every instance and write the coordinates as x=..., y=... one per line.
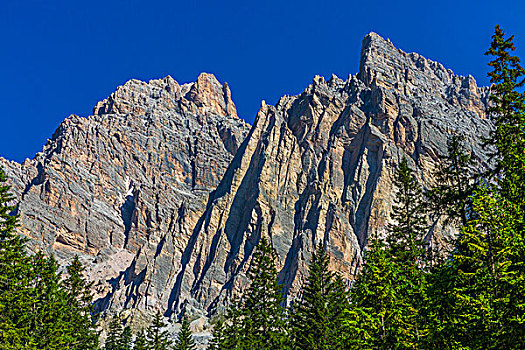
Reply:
x=165, y=193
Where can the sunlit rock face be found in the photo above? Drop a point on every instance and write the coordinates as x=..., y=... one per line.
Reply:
x=164, y=192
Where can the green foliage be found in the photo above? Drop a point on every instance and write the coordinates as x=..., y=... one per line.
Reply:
x=16, y=288
x=476, y=298
x=118, y=338
x=157, y=338
x=126, y=339
x=184, y=339
x=114, y=333
x=451, y=197
x=507, y=109
x=405, y=236
x=37, y=309
x=389, y=294
x=79, y=298
x=141, y=343
x=257, y=321
x=317, y=317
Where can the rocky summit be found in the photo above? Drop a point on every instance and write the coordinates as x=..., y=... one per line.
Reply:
x=164, y=191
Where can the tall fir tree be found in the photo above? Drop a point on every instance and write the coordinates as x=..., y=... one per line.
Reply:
x=126, y=339
x=158, y=339
x=16, y=278
x=114, y=334
x=258, y=320
x=51, y=322
x=374, y=316
x=317, y=318
x=406, y=235
x=218, y=340
x=80, y=301
x=391, y=290
x=488, y=262
x=141, y=343
x=184, y=339
x=451, y=197
x=507, y=109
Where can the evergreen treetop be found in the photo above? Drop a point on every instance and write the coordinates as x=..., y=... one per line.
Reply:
x=184, y=339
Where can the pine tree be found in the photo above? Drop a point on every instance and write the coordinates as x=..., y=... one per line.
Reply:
x=141, y=342
x=80, y=299
x=507, y=109
x=114, y=334
x=373, y=317
x=184, y=339
x=451, y=197
x=406, y=236
x=258, y=321
x=157, y=338
x=318, y=316
x=51, y=322
x=488, y=261
x=391, y=290
x=126, y=339
x=218, y=339
x=16, y=276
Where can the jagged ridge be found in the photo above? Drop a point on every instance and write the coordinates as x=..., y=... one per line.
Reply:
x=165, y=192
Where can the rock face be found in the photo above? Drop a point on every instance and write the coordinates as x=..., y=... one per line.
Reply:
x=165, y=192
x=124, y=188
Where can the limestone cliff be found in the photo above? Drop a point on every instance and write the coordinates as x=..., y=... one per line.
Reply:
x=164, y=191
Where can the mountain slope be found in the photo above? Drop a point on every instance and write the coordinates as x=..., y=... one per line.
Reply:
x=164, y=191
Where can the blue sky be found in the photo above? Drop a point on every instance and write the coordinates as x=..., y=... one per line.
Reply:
x=61, y=57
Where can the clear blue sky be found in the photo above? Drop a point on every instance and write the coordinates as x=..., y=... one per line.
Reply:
x=61, y=57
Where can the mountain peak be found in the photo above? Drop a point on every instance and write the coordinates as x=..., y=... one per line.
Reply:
x=206, y=95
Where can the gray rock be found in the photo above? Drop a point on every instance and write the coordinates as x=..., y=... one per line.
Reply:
x=164, y=191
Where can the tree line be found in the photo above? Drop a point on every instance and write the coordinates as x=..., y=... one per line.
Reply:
x=411, y=293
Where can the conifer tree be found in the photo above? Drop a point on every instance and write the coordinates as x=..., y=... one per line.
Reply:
x=317, y=317
x=218, y=339
x=390, y=291
x=507, y=109
x=157, y=338
x=488, y=262
x=50, y=321
x=372, y=321
x=126, y=339
x=114, y=334
x=141, y=342
x=184, y=339
x=406, y=236
x=16, y=289
x=79, y=299
x=258, y=321
x=451, y=197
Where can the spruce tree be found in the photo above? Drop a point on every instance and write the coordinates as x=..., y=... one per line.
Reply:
x=507, y=109
x=257, y=320
x=126, y=339
x=16, y=277
x=114, y=334
x=373, y=318
x=141, y=342
x=51, y=322
x=318, y=316
x=406, y=235
x=488, y=262
x=184, y=339
x=218, y=339
x=451, y=197
x=80, y=299
x=391, y=290
x=157, y=338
